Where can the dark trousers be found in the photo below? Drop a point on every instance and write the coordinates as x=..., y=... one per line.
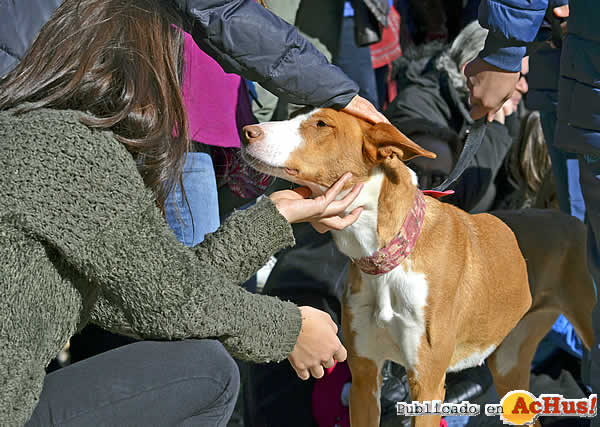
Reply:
x=356, y=62
x=148, y=383
x=311, y=273
x=589, y=176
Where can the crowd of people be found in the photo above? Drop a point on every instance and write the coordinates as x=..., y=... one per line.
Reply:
x=132, y=231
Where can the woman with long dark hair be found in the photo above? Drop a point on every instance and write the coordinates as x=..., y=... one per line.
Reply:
x=93, y=135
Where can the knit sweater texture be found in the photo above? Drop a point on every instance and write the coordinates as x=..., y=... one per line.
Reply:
x=81, y=240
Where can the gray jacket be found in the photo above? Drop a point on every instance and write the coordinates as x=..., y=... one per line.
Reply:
x=241, y=35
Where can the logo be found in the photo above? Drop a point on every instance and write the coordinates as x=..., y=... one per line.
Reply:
x=519, y=407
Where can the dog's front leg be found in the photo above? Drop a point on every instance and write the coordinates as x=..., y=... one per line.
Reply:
x=427, y=378
x=426, y=385
x=365, y=409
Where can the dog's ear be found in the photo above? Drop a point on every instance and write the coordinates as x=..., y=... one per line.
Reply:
x=383, y=141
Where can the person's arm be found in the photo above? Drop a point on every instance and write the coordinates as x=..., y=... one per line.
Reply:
x=85, y=198
x=492, y=76
x=247, y=39
x=167, y=291
x=512, y=24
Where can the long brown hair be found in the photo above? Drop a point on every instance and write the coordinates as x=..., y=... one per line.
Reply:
x=530, y=161
x=121, y=62
x=529, y=168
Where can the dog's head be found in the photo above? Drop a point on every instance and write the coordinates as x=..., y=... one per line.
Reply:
x=318, y=147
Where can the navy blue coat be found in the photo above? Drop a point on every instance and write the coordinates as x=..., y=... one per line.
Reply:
x=241, y=35
x=578, y=127
x=544, y=70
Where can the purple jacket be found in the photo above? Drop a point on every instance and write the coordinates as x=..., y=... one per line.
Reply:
x=216, y=103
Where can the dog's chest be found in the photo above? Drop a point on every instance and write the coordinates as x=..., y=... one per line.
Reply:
x=388, y=314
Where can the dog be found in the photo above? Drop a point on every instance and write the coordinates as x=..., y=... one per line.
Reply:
x=430, y=286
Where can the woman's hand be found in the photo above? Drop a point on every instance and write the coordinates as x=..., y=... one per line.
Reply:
x=317, y=345
x=360, y=107
x=323, y=212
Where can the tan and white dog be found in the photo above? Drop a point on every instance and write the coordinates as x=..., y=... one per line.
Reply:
x=431, y=287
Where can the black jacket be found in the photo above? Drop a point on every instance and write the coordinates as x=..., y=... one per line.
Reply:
x=241, y=35
x=426, y=93
x=370, y=16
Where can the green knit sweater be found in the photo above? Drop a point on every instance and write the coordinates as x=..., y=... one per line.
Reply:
x=81, y=240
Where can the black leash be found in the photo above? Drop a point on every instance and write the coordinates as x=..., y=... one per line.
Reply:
x=472, y=144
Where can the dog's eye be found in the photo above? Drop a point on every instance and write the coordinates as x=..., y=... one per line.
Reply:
x=321, y=124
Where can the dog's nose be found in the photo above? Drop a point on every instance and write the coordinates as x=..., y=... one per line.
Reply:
x=253, y=133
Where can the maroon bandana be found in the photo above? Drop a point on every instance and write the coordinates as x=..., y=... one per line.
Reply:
x=386, y=259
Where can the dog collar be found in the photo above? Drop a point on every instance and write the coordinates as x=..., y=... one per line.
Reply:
x=386, y=259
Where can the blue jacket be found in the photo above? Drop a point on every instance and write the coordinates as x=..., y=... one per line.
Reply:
x=514, y=23
x=241, y=35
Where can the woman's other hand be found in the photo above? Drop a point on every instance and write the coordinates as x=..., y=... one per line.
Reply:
x=323, y=212
x=317, y=346
x=360, y=107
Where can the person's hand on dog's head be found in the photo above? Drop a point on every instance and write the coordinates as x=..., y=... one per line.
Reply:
x=360, y=107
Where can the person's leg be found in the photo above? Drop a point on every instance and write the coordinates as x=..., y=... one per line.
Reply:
x=150, y=383
x=286, y=10
x=565, y=167
x=356, y=62
x=311, y=273
x=319, y=22
x=590, y=185
x=190, y=224
x=381, y=81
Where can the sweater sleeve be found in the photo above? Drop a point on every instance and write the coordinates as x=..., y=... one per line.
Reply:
x=512, y=25
x=165, y=290
x=79, y=191
x=247, y=39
